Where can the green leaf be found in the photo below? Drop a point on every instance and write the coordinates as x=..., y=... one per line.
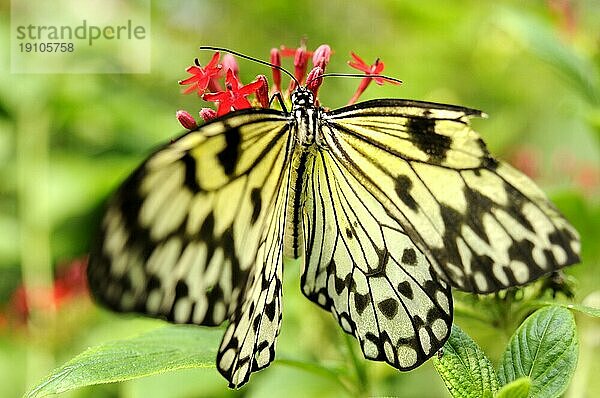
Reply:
x=591, y=311
x=516, y=389
x=543, y=348
x=465, y=369
x=160, y=350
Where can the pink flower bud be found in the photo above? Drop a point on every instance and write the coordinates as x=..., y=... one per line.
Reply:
x=276, y=60
x=208, y=114
x=313, y=81
x=321, y=56
x=300, y=63
x=186, y=120
x=229, y=62
x=262, y=92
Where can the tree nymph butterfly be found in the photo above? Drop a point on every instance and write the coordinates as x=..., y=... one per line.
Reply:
x=390, y=203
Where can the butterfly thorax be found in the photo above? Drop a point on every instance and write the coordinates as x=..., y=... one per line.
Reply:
x=305, y=117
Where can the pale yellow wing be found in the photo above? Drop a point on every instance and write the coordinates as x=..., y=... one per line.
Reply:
x=195, y=235
x=363, y=267
x=483, y=225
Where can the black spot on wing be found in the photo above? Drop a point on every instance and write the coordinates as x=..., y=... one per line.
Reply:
x=256, y=323
x=423, y=135
x=152, y=283
x=361, y=301
x=409, y=256
x=181, y=290
x=207, y=228
x=228, y=157
x=478, y=205
x=388, y=307
x=490, y=163
x=487, y=161
x=270, y=310
x=403, y=187
x=563, y=238
x=406, y=290
x=191, y=178
x=256, y=204
x=214, y=297
x=517, y=202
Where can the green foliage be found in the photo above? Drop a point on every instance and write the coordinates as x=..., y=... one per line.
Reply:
x=542, y=40
x=465, y=369
x=584, y=309
x=539, y=360
x=545, y=349
x=160, y=350
x=515, y=389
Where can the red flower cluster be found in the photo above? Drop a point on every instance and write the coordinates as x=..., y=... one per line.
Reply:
x=70, y=283
x=206, y=81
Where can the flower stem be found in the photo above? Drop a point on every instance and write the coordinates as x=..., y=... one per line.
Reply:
x=32, y=158
x=362, y=380
x=323, y=371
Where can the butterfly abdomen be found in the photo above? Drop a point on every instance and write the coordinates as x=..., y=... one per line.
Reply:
x=293, y=242
x=305, y=121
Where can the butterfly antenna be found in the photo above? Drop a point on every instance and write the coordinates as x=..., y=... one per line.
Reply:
x=249, y=58
x=354, y=75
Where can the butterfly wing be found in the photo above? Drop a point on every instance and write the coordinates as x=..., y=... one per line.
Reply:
x=362, y=266
x=483, y=225
x=195, y=235
x=404, y=202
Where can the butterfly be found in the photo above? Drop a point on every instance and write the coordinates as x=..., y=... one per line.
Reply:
x=390, y=203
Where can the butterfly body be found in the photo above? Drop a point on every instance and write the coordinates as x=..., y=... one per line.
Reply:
x=390, y=203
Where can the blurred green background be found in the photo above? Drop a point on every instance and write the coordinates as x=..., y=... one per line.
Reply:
x=67, y=140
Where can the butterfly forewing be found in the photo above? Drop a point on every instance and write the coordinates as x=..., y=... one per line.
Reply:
x=194, y=235
x=482, y=225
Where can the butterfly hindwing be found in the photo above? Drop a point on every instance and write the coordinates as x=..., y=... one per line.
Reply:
x=249, y=341
x=362, y=266
x=194, y=235
x=483, y=225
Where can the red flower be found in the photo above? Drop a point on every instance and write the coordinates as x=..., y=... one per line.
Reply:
x=301, y=56
x=301, y=63
x=234, y=96
x=208, y=81
x=69, y=283
x=201, y=76
x=589, y=178
x=526, y=159
x=370, y=70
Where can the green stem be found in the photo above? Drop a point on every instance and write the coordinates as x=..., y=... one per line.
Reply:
x=362, y=380
x=469, y=312
x=318, y=370
x=32, y=158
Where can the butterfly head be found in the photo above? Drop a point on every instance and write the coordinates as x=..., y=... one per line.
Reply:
x=302, y=98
